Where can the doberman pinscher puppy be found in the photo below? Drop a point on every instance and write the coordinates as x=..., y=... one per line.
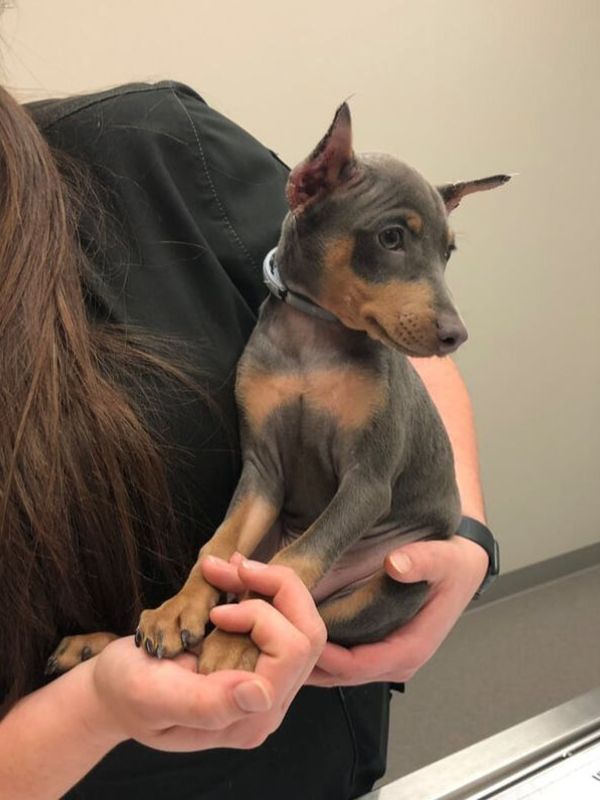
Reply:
x=344, y=455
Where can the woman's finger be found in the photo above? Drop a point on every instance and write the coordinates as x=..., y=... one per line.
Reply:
x=290, y=632
x=269, y=629
x=221, y=574
x=290, y=596
x=212, y=702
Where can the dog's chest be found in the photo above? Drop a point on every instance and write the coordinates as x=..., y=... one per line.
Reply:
x=345, y=397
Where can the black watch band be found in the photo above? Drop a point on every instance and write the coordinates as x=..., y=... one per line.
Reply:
x=476, y=531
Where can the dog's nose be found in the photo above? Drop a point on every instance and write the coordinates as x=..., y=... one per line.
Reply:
x=451, y=334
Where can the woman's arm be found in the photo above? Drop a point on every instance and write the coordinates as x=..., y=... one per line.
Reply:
x=451, y=398
x=54, y=736
x=455, y=568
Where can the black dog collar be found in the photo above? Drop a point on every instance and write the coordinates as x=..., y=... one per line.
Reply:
x=277, y=287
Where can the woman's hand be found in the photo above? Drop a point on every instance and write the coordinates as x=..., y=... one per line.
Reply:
x=455, y=569
x=167, y=705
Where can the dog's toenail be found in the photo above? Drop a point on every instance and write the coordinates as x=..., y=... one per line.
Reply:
x=160, y=651
x=86, y=653
x=149, y=646
x=51, y=666
x=185, y=638
x=138, y=637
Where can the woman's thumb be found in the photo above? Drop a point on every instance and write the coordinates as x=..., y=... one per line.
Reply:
x=413, y=562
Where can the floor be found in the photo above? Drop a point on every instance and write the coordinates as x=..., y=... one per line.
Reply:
x=503, y=663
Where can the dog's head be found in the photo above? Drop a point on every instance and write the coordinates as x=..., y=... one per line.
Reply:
x=367, y=238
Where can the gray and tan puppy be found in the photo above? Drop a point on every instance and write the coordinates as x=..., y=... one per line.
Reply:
x=344, y=455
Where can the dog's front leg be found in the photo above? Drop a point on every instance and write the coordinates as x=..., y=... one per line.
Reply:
x=180, y=621
x=358, y=504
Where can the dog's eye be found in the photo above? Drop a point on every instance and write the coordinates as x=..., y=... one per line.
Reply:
x=392, y=238
x=449, y=251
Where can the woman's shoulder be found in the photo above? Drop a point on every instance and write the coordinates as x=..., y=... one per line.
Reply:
x=167, y=113
x=138, y=124
x=175, y=169
x=129, y=103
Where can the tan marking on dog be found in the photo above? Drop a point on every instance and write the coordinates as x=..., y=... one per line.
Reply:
x=308, y=568
x=349, y=396
x=259, y=393
x=70, y=651
x=223, y=650
x=348, y=607
x=415, y=222
x=352, y=397
x=243, y=528
x=395, y=312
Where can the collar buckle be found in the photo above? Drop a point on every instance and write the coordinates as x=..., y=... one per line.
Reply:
x=277, y=287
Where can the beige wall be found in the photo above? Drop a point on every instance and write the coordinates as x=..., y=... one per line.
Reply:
x=459, y=89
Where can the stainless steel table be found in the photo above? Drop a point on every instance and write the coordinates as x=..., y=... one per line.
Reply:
x=554, y=756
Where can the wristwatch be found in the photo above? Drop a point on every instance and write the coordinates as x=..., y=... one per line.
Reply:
x=476, y=531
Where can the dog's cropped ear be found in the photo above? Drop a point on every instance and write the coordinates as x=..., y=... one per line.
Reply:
x=453, y=193
x=330, y=164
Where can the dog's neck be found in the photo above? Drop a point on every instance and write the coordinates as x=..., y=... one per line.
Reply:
x=278, y=288
x=306, y=331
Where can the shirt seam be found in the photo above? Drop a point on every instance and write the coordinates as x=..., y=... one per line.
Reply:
x=229, y=225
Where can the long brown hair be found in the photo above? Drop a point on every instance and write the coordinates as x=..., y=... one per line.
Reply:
x=82, y=476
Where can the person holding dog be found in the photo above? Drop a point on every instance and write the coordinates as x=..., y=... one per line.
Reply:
x=133, y=224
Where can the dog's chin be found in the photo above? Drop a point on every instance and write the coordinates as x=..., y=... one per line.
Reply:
x=380, y=334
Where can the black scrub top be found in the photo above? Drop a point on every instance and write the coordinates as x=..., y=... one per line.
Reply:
x=192, y=204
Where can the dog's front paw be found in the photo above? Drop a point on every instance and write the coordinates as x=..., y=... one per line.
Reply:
x=177, y=625
x=74, y=649
x=222, y=650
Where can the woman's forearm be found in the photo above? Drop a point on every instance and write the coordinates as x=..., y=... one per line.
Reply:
x=449, y=393
x=52, y=738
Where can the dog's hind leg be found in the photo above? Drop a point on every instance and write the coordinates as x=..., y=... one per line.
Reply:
x=372, y=611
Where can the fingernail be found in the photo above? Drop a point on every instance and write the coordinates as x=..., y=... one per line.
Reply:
x=401, y=562
x=252, y=696
x=253, y=564
x=213, y=560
